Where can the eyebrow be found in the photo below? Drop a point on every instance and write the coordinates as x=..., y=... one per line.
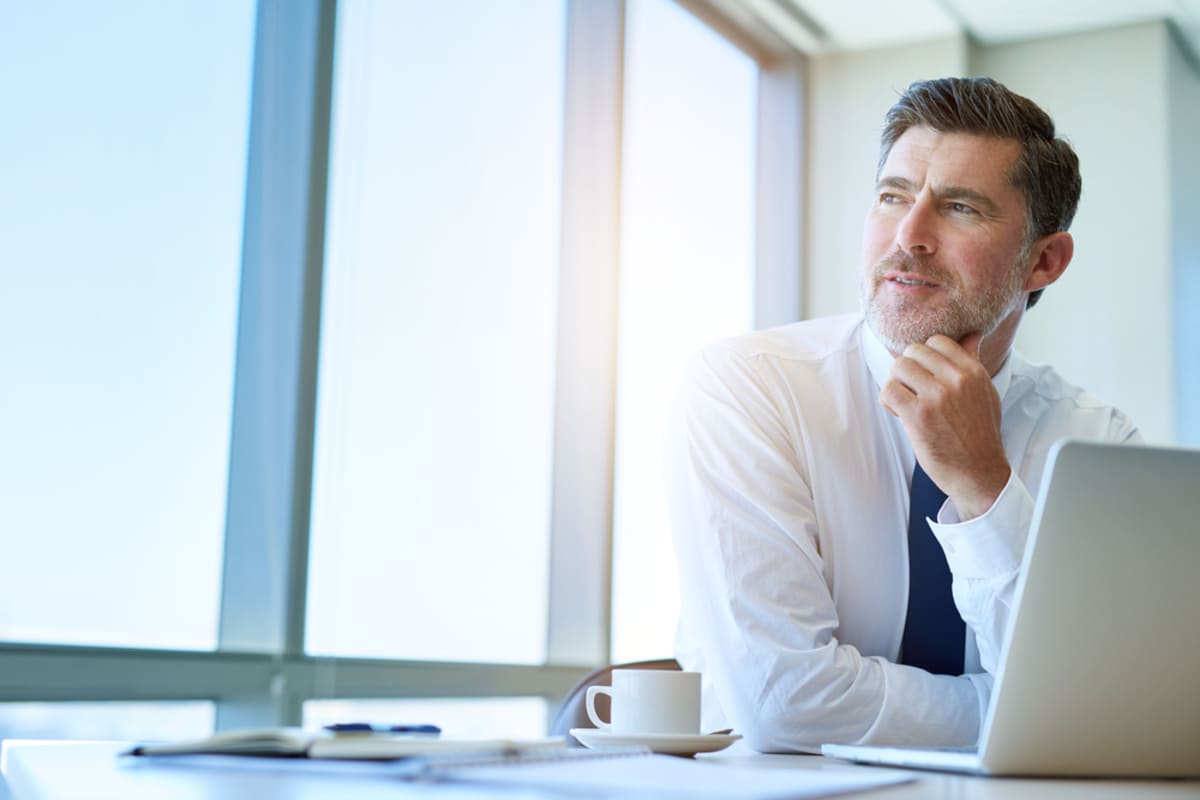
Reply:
x=985, y=203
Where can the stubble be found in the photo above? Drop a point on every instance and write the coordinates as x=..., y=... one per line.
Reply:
x=899, y=321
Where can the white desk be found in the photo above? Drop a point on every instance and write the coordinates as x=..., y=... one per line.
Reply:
x=91, y=770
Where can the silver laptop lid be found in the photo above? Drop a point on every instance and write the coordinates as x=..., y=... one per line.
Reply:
x=1100, y=673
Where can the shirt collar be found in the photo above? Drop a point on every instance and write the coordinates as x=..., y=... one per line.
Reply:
x=879, y=362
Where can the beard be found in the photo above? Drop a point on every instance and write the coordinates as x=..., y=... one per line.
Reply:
x=899, y=321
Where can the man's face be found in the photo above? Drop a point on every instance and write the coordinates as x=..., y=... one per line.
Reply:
x=944, y=247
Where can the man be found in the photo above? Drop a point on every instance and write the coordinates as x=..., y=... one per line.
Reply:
x=791, y=458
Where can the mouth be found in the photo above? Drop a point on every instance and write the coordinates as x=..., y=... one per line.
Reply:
x=909, y=279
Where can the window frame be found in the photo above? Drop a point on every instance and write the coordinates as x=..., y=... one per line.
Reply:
x=260, y=675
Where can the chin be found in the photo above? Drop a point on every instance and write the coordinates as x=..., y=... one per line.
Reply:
x=895, y=338
x=897, y=333
x=899, y=327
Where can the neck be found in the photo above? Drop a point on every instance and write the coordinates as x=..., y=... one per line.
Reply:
x=996, y=346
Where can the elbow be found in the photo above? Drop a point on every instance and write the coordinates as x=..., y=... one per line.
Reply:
x=765, y=739
x=811, y=714
x=798, y=732
x=775, y=730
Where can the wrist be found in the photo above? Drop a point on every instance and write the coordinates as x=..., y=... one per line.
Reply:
x=975, y=500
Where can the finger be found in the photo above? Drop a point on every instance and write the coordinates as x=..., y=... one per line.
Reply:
x=886, y=403
x=919, y=368
x=972, y=343
x=962, y=357
x=934, y=357
x=896, y=397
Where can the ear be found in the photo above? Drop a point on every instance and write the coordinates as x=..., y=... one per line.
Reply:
x=1051, y=255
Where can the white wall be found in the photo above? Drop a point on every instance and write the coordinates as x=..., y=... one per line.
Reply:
x=1108, y=324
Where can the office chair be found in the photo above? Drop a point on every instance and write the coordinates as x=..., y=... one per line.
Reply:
x=573, y=712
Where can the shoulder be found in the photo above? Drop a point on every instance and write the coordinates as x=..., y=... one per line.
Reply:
x=1040, y=390
x=811, y=343
x=783, y=372
x=762, y=392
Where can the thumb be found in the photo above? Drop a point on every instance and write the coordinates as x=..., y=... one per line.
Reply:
x=972, y=343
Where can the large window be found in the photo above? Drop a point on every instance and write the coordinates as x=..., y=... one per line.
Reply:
x=687, y=276
x=124, y=151
x=340, y=336
x=436, y=396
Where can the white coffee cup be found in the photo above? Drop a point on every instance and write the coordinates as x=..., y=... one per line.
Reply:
x=649, y=701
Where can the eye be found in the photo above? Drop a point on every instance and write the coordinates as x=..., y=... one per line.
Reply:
x=962, y=208
x=887, y=199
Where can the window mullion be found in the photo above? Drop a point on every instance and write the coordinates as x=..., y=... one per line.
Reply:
x=270, y=475
x=581, y=517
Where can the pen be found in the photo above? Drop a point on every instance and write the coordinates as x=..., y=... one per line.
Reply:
x=367, y=727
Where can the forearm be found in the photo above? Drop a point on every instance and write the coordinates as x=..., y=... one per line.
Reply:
x=761, y=615
x=795, y=700
x=985, y=554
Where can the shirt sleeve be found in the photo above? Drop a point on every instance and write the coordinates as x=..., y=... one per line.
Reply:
x=984, y=555
x=755, y=600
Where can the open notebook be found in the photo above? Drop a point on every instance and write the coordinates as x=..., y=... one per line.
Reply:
x=1098, y=673
x=323, y=744
x=535, y=764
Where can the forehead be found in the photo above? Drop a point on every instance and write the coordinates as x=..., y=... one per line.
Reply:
x=984, y=163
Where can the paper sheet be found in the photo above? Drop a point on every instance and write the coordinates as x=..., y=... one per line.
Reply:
x=670, y=777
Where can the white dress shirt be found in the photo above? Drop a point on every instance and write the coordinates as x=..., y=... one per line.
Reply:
x=788, y=489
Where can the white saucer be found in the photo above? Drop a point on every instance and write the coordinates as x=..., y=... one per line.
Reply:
x=671, y=743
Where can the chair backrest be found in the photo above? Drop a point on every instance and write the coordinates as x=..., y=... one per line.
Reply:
x=573, y=712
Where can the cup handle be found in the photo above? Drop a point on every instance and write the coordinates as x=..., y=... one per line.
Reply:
x=590, y=705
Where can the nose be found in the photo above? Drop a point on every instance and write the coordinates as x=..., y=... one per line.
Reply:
x=916, y=233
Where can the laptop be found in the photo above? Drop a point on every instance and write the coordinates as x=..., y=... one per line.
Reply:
x=1100, y=671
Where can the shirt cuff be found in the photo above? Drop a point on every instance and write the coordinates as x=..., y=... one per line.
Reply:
x=994, y=542
x=983, y=688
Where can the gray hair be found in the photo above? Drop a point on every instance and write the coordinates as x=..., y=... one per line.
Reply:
x=1047, y=171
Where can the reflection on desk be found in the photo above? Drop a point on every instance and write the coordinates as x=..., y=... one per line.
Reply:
x=64, y=770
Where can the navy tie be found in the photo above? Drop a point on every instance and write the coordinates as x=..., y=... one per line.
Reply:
x=934, y=633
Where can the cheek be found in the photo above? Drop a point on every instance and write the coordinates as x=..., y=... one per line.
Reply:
x=876, y=242
x=984, y=266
